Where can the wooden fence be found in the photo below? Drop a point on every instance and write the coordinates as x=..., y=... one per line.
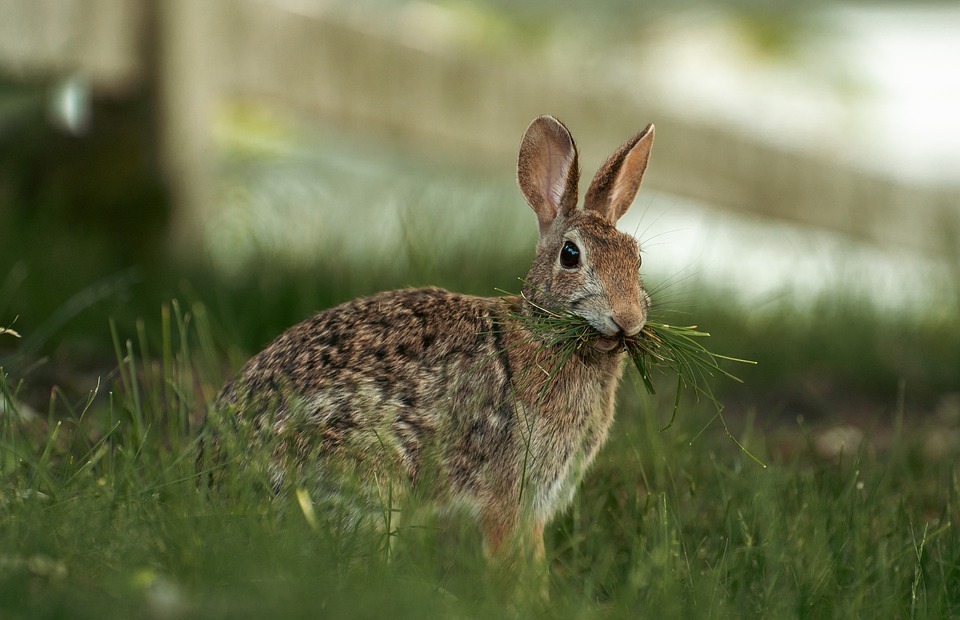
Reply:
x=364, y=76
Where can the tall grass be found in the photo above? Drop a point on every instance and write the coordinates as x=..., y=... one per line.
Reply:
x=104, y=515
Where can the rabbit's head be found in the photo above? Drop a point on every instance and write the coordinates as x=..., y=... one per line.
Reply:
x=583, y=263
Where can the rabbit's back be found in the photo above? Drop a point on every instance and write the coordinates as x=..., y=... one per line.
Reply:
x=401, y=378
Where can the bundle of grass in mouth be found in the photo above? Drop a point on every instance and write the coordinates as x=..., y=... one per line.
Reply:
x=658, y=345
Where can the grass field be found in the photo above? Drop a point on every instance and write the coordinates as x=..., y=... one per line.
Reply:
x=102, y=514
x=854, y=412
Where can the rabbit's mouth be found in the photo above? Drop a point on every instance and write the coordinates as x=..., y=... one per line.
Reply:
x=607, y=344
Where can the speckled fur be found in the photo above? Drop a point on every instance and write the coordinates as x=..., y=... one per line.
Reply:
x=447, y=395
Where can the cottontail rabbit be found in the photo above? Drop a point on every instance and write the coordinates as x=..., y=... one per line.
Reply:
x=451, y=397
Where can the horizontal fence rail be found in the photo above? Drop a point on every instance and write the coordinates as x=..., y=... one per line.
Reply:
x=367, y=77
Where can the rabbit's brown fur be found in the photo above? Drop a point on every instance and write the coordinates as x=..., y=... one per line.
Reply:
x=449, y=395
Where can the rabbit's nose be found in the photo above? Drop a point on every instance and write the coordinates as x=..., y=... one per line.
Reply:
x=629, y=324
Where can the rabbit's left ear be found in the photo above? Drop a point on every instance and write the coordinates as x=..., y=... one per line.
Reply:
x=547, y=170
x=616, y=183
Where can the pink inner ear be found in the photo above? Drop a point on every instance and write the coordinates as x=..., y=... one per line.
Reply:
x=628, y=181
x=556, y=167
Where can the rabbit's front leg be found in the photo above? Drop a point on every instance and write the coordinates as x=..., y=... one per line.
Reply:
x=509, y=540
x=515, y=552
x=498, y=525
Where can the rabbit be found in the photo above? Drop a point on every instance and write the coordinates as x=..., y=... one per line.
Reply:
x=449, y=396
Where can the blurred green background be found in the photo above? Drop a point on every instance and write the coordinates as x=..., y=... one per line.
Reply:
x=269, y=159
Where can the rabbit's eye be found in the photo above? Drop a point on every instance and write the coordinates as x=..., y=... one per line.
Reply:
x=569, y=255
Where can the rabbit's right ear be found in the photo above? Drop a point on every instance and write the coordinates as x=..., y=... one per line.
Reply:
x=547, y=170
x=614, y=187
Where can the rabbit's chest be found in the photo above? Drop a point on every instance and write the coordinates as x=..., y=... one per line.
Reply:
x=570, y=437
